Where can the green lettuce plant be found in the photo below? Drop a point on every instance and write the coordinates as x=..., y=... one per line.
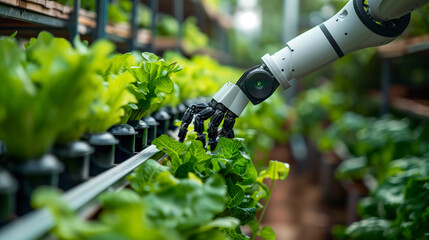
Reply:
x=115, y=99
x=45, y=90
x=152, y=84
x=193, y=195
x=231, y=160
x=398, y=208
x=375, y=143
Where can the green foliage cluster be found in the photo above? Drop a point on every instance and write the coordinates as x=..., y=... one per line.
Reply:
x=230, y=160
x=45, y=90
x=54, y=92
x=195, y=195
x=193, y=38
x=317, y=107
x=152, y=86
x=398, y=208
x=375, y=143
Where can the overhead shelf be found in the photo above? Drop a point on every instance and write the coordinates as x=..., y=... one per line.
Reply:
x=414, y=107
x=115, y=32
x=7, y=10
x=402, y=47
x=32, y=16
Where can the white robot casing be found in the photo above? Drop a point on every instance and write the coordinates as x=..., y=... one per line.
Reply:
x=343, y=33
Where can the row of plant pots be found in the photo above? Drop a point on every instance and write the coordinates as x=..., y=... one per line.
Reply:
x=71, y=164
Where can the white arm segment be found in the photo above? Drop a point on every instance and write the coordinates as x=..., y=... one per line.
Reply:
x=384, y=10
x=349, y=30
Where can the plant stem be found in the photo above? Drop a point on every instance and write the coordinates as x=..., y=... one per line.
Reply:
x=266, y=203
x=268, y=200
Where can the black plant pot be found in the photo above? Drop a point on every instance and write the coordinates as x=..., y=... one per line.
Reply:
x=8, y=188
x=126, y=135
x=35, y=172
x=141, y=138
x=103, y=156
x=163, y=118
x=181, y=108
x=174, y=114
x=151, y=132
x=76, y=158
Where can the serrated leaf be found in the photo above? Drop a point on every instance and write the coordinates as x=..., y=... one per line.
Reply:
x=172, y=147
x=183, y=170
x=235, y=194
x=228, y=148
x=196, y=153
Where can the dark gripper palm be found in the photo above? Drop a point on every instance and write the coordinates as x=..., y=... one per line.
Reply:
x=203, y=111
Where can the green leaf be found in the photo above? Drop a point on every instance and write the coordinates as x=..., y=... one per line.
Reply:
x=172, y=147
x=267, y=233
x=371, y=228
x=188, y=204
x=235, y=194
x=235, y=234
x=150, y=57
x=245, y=170
x=145, y=177
x=276, y=170
x=245, y=215
x=67, y=224
x=119, y=199
x=225, y=222
x=353, y=168
x=228, y=148
x=183, y=170
x=13, y=35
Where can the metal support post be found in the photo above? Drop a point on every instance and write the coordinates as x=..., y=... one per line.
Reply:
x=154, y=8
x=74, y=20
x=100, y=31
x=179, y=15
x=134, y=26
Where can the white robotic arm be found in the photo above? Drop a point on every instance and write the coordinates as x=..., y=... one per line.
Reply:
x=351, y=29
x=356, y=26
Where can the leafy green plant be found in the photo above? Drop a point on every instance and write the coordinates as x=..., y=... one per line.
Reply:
x=46, y=89
x=152, y=85
x=195, y=195
x=398, y=208
x=375, y=142
x=168, y=26
x=231, y=160
x=193, y=38
x=111, y=105
x=316, y=108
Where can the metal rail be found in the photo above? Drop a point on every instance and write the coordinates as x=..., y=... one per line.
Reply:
x=37, y=223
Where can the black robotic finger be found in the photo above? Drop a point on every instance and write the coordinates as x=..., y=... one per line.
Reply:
x=213, y=126
x=187, y=119
x=199, y=128
x=228, y=124
x=201, y=111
